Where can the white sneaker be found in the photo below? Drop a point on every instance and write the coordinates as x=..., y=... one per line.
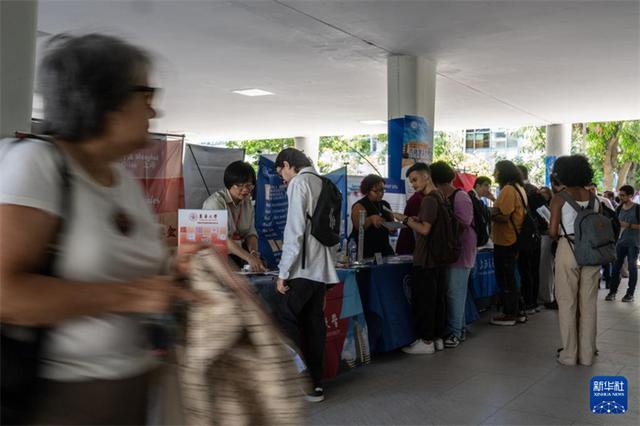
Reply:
x=419, y=347
x=316, y=396
x=439, y=343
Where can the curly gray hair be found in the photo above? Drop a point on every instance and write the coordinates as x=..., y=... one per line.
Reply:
x=82, y=78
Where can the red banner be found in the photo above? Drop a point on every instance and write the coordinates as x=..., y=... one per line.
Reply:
x=158, y=168
x=464, y=181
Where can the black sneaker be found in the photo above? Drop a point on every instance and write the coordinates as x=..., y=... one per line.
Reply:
x=628, y=298
x=521, y=318
x=451, y=341
x=504, y=320
x=316, y=396
x=610, y=297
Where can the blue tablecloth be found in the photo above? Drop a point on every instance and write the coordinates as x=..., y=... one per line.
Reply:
x=483, y=276
x=385, y=298
x=347, y=343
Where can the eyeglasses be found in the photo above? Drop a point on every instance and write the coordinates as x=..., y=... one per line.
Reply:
x=378, y=190
x=247, y=186
x=148, y=91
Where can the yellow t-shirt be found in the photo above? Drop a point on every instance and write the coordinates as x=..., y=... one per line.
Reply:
x=510, y=204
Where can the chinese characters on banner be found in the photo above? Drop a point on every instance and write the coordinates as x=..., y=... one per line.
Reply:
x=203, y=227
x=158, y=168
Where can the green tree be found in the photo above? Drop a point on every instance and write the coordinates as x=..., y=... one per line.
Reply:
x=254, y=147
x=532, y=151
x=614, y=149
x=629, y=152
x=356, y=152
x=449, y=149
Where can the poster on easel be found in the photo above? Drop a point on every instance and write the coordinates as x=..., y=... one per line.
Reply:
x=208, y=227
x=158, y=169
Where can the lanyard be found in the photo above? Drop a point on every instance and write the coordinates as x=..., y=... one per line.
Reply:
x=236, y=221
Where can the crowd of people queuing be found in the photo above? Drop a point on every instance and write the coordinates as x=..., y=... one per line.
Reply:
x=533, y=236
x=110, y=268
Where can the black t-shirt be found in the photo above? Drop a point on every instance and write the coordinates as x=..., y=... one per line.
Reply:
x=376, y=240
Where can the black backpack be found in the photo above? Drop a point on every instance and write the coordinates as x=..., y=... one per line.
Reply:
x=536, y=200
x=444, y=238
x=325, y=221
x=481, y=220
x=529, y=235
x=612, y=215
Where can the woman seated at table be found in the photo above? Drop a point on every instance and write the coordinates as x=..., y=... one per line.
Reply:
x=377, y=211
x=242, y=242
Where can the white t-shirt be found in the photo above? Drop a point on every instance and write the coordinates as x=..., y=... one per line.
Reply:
x=92, y=249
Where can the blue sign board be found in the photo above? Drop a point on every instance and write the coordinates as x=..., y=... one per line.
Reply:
x=271, y=211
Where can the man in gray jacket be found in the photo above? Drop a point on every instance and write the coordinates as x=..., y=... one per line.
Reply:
x=306, y=266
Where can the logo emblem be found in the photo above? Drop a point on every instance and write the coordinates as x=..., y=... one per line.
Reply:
x=609, y=394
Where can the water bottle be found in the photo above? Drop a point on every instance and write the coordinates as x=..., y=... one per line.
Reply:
x=353, y=251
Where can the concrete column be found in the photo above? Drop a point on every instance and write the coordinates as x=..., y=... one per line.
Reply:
x=411, y=87
x=18, y=32
x=558, y=139
x=310, y=145
x=411, y=90
x=558, y=144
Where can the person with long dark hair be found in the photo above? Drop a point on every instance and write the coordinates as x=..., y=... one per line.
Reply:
x=508, y=215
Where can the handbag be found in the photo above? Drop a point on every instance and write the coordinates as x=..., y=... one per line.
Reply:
x=236, y=367
x=21, y=347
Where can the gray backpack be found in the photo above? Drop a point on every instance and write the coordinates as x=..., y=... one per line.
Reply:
x=594, y=243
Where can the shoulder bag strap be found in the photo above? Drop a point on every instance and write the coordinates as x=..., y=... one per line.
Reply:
x=65, y=199
x=515, y=228
x=569, y=199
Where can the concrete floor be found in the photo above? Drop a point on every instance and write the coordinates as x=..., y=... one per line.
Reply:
x=499, y=376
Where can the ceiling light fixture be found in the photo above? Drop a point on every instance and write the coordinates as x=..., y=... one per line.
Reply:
x=253, y=92
x=373, y=122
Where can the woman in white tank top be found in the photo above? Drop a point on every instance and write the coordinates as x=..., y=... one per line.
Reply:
x=569, y=216
x=576, y=286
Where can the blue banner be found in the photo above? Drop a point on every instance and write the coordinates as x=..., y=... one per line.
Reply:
x=549, y=161
x=271, y=211
x=410, y=141
x=396, y=138
x=339, y=178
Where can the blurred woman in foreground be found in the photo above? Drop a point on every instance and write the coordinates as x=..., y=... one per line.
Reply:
x=109, y=263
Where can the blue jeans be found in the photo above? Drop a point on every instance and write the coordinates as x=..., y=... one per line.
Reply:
x=458, y=280
x=631, y=254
